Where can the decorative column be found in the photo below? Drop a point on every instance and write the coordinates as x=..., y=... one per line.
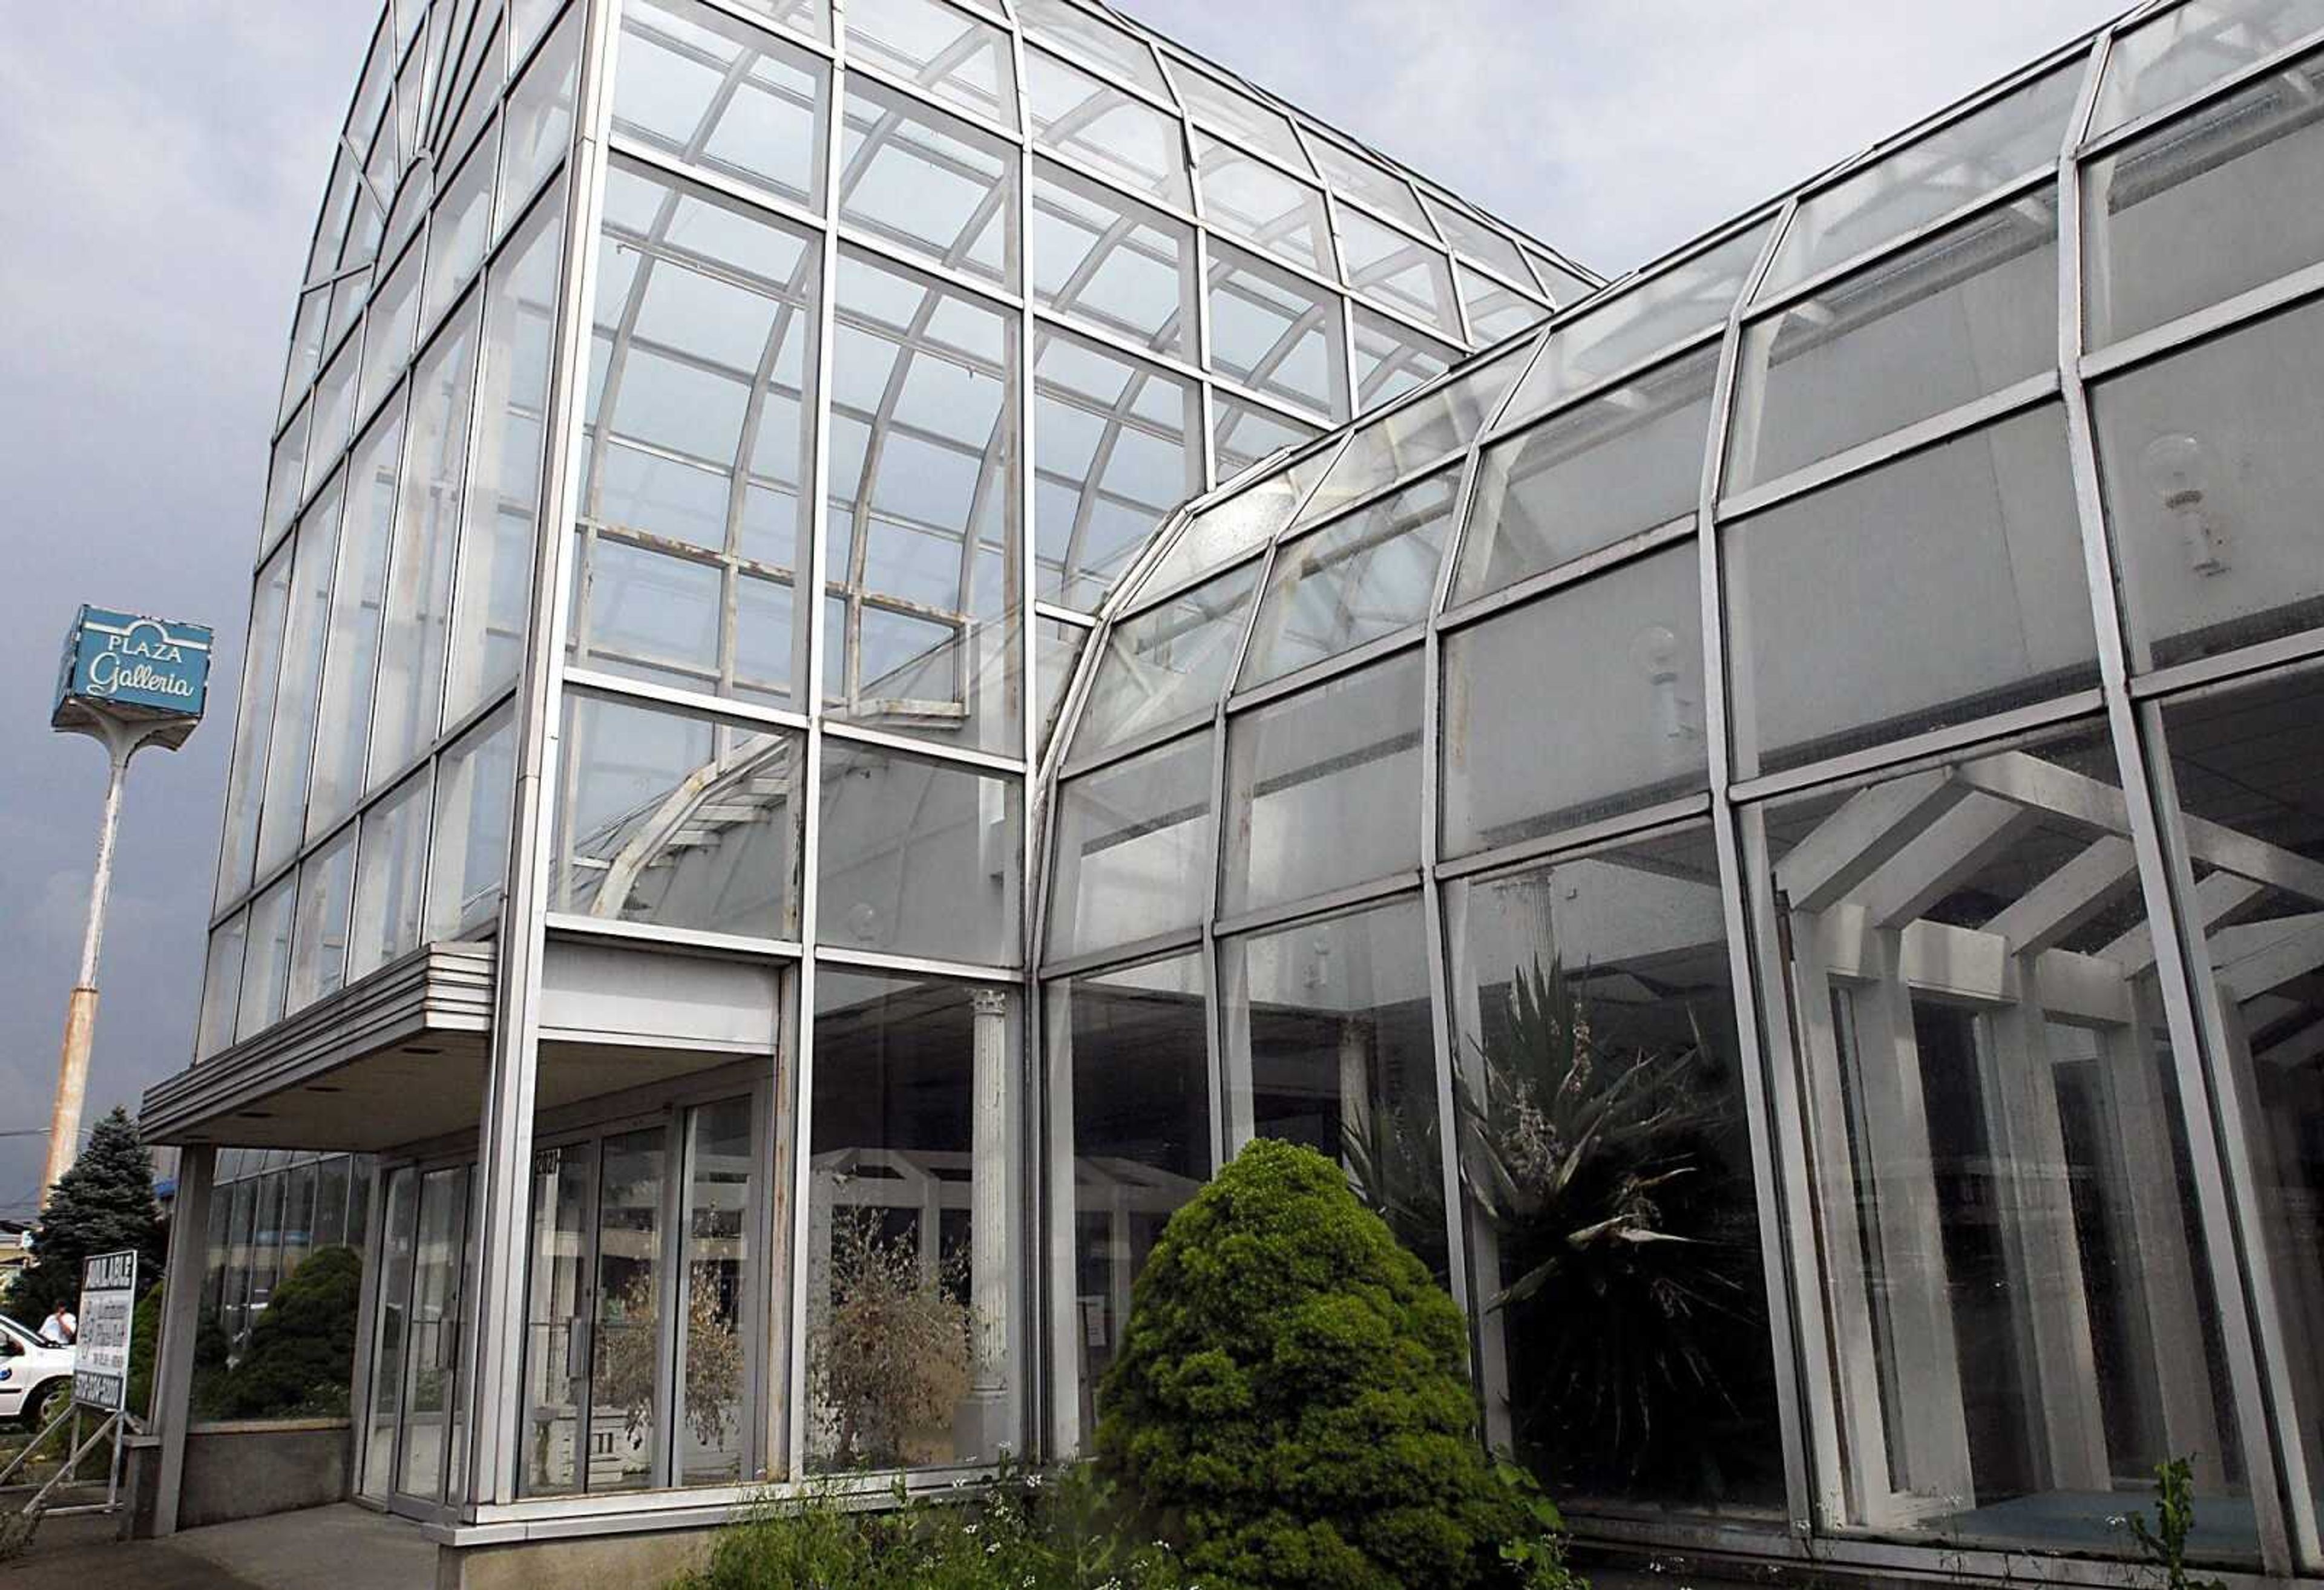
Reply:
x=990, y=1277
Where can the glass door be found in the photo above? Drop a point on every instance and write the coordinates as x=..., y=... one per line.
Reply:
x=431, y=1373
x=626, y=1366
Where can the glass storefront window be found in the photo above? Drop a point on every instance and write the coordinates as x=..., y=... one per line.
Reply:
x=919, y=857
x=1132, y=855
x=713, y=1347
x=1604, y=1155
x=2014, y=1277
x=912, y=1270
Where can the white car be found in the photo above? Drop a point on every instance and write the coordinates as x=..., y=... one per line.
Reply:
x=33, y=1373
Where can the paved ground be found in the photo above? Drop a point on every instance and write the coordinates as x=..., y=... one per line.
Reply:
x=344, y=1548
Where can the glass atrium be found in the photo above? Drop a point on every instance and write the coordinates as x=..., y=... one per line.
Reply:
x=1781, y=800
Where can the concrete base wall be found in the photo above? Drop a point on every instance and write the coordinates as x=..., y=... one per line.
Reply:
x=596, y=1562
x=246, y=1470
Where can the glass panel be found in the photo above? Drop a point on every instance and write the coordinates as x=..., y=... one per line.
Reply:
x=1564, y=286
x=1239, y=524
x=298, y=1216
x=2212, y=476
x=266, y=966
x=253, y=721
x=1132, y=851
x=927, y=183
x=412, y=649
x=625, y=1349
x=2250, y=799
x=1096, y=124
x=281, y=819
x=1113, y=452
x=1111, y=263
x=1330, y=1043
x=1623, y=461
x=2006, y=1220
x=1943, y=587
x=1057, y=650
x=2195, y=213
x=912, y=1225
x=358, y=594
x=392, y=858
x=457, y=231
x=1370, y=574
x=1212, y=101
x=476, y=782
x=306, y=347
x=389, y=1334
x=721, y=94
x=811, y=17
x=1966, y=313
x=1494, y=311
x=1472, y=237
x=538, y=125
x=1275, y=334
x=1242, y=434
x=1995, y=144
x=221, y=985
x=678, y=820
x=918, y=857
x=1354, y=176
x=1680, y=301
x=1525, y=757
x=330, y=1228
x=648, y=614
x=1598, y=1057
x=1324, y=788
x=1397, y=272
x=1167, y=662
x=1418, y=433
x=923, y=519
x=714, y=1350
x=388, y=329
x=318, y=936
x=286, y=480
x=431, y=1377
x=556, y=1322
x=946, y=52
x=501, y=519
x=1392, y=359
x=234, y=1312
x=1252, y=202
x=2189, y=47
x=1094, y=41
x=1132, y=1043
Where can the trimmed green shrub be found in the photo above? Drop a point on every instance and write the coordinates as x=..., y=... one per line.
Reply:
x=1293, y=1399
x=302, y=1348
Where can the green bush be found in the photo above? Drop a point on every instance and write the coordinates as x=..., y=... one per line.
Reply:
x=1021, y=1532
x=302, y=1348
x=1293, y=1399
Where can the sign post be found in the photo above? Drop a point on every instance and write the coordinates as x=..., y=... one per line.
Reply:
x=129, y=682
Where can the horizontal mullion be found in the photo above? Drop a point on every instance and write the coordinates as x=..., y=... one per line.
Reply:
x=969, y=972
x=924, y=96
x=662, y=936
x=2041, y=182
x=1509, y=423
x=1325, y=669
x=2201, y=325
x=1126, y=957
x=1582, y=837
x=1404, y=881
x=596, y=682
x=1573, y=571
x=1185, y=727
x=2104, y=143
x=930, y=750
x=1937, y=743
x=2286, y=650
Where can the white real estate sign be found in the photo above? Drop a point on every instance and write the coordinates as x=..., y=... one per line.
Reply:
x=108, y=1298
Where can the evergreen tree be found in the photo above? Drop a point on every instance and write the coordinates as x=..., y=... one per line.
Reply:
x=103, y=1204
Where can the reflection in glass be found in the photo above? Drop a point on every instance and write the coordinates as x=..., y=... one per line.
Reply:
x=2016, y=1272
x=1944, y=586
x=392, y=861
x=1329, y=1044
x=713, y=1344
x=266, y=964
x=1414, y=434
x=281, y=817
x=254, y=722
x=1369, y=574
x=389, y=1329
x=358, y=594
x=557, y=1320
x=2185, y=47
x=221, y=985
x=918, y=857
x=318, y=936
x=1167, y=662
x=626, y=1416
x=912, y=1219
x=1605, y=1155
x=675, y=818
x=431, y=1373
x=1132, y=853
x=476, y=783
x=1579, y=705
x=1324, y=788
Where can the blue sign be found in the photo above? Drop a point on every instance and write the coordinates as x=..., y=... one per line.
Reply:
x=134, y=669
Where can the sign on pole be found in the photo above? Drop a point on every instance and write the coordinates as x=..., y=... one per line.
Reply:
x=108, y=1300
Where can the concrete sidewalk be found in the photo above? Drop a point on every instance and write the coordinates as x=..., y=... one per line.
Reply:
x=344, y=1548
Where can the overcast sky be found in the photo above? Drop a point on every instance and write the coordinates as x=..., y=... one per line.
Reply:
x=164, y=160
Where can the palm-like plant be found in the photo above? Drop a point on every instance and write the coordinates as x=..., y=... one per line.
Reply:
x=1598, y=1167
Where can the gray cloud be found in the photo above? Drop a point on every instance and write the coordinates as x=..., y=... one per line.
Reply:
x=165, y=163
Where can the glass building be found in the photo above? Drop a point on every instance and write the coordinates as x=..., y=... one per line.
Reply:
x=1771, y=820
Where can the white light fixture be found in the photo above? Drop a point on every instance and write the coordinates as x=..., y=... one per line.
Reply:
x=2179, y=472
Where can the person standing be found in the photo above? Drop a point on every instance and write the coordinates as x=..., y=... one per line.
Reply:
x=60, y=1330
